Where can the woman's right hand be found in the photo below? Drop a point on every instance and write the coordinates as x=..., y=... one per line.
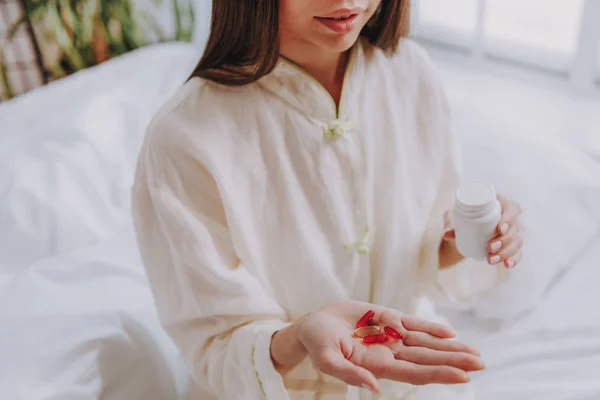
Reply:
x=425, y=354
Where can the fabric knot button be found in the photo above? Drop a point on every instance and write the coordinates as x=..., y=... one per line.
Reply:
x=336, y=130
x=364, y=245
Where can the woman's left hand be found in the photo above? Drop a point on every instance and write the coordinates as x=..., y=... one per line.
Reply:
x=506, y=247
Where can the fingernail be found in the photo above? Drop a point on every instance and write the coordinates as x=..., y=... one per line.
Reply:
x=496, y=246
x=369, y=388
x=495, y=260
x=482, y=365
x=449, y=234
x=511, y=264
x=504, y=228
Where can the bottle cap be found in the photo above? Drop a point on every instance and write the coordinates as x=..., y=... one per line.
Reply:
x=475, y=196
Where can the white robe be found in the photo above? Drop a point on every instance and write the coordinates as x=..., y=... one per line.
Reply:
x=256, y=205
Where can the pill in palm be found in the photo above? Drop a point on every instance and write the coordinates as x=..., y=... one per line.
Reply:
x=367, y=331
x=393, y=333
x=381, y=338
x=365, y=319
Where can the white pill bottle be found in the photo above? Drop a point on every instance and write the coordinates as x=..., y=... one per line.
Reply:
x=475, y=216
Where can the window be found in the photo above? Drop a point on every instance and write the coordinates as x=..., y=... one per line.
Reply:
x=542, y=32
x=560, y=37
x=551, y=25
x=457, y=17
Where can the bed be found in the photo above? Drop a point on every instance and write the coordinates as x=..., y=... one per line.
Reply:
x=77, y=320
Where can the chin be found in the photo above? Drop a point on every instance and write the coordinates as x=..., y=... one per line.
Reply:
x=342, y=43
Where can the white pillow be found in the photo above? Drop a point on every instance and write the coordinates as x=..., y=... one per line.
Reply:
x=65, y=175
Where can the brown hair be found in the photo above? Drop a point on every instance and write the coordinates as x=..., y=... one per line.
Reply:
x=244, y=38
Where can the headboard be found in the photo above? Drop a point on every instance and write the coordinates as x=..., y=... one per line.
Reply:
x=45, y=40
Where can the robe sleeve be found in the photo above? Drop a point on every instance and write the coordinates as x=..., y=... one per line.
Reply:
x=216, y=311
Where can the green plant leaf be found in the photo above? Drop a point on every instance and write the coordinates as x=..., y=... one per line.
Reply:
x=178, y=20
x=76, y=23
x=130, y=32
x=189, y=32
x=64, y=41
x=89, y=14
x=8, y=92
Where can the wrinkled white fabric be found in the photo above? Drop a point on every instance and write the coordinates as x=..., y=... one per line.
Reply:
x=66, y=172
x=255, y=205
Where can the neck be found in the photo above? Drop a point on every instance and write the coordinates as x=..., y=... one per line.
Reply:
x=328, y=68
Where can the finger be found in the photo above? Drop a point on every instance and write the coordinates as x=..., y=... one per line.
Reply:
x=424, y=356
x=499, y=244
x=512, y=248
x=404, y=371
x=420, y=339
x=332, y=362
x=514, y=261
x=509, y=251
x=500, y=241
x=432, y=328
x=510, y=214
x=449, y=235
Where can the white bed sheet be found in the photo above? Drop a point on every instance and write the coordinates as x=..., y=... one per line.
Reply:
x=83, y=326
x=552, y=353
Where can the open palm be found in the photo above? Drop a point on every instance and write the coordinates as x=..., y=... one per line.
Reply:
x=425, y=354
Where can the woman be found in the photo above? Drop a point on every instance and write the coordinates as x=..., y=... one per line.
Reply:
x=299, y=179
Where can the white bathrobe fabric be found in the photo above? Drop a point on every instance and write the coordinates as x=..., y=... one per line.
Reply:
x=256, y=205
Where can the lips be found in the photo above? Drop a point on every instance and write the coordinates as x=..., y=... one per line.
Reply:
x=344, y=13
x=344, y=23
x=346, y=16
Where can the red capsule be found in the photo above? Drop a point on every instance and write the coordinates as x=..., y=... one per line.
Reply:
x=393, y=332
x=362, y=322
x=381, y=338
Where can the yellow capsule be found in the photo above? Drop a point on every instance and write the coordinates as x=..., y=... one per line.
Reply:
x=367, y=331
